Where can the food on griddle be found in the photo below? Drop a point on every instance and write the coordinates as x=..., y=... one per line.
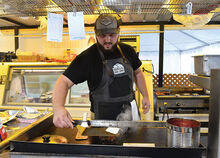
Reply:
x=80, y=136
x=107, y=139
x=50, y=139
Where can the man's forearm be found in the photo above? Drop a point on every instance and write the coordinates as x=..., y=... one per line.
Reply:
x=141, y=84
x=61, y=118
x=60, y=93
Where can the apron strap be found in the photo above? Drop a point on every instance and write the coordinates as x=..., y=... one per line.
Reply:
x=122, y=54
x=105, y=63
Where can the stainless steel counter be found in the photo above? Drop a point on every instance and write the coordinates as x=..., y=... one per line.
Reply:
x=16, y=128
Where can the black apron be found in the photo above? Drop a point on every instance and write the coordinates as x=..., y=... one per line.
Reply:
x=115, y=88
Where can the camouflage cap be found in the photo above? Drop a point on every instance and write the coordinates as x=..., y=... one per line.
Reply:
x=106, y=23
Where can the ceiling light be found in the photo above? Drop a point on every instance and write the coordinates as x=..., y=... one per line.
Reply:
x=193, y=21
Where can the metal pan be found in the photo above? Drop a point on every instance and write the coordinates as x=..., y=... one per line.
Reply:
x=183, y=133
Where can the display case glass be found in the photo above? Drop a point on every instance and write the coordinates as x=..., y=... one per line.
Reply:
x=34, y=85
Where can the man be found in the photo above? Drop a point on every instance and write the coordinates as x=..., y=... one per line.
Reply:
x=109, y=68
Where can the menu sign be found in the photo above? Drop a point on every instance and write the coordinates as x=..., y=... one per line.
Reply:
x=54, y=27
x=76, y=25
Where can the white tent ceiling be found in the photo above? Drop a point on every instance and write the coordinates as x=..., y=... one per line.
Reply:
x=180, y=40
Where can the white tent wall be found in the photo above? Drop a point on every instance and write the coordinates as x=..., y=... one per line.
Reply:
x=172, y=61
x=176, y=57
x=187, y=60
x=149, y=50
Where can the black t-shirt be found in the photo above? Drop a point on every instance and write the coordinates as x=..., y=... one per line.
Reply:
x=88, y=65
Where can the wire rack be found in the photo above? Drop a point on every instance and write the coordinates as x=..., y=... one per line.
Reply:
x=91, y=7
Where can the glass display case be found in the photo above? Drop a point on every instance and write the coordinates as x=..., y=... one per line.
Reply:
x=33, y=85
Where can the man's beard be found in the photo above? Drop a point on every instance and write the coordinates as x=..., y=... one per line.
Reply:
x=114, y=47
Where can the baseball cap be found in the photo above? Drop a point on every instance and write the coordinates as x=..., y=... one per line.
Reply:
x=106, y=23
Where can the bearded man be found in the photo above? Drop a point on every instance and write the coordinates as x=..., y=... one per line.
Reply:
x=110, y=69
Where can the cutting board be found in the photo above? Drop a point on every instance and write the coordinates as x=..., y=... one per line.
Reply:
x=139, y=144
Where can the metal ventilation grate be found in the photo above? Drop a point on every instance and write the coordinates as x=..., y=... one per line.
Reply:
x=90, y=7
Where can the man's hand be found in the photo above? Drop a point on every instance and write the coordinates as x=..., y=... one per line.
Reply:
x=62, y=118
x=145, y=105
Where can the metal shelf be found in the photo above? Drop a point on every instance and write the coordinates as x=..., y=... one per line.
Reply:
x=202, y=81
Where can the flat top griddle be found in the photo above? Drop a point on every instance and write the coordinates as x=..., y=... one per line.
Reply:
x=93, y=147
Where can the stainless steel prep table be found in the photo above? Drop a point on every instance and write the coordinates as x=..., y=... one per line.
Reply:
x=16, y=129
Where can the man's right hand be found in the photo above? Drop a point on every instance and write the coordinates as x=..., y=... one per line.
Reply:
x=62, y=118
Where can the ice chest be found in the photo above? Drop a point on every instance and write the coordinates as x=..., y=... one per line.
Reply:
x=204, y=63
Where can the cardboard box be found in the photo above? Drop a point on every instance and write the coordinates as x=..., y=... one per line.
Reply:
x=28, y=58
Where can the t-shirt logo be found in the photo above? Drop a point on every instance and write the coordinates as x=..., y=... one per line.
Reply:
x=118, y=69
